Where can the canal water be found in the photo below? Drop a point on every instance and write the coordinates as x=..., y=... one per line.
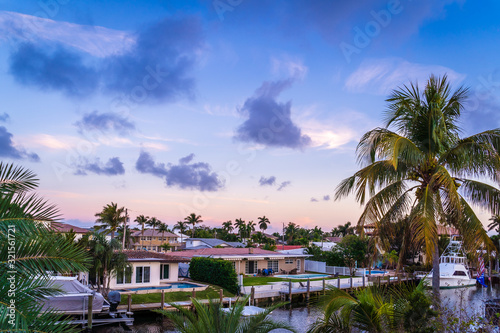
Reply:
x=300, y=315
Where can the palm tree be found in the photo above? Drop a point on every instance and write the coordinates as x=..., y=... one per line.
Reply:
x=153, y=223
x=128, y=236
x=263, y=222
x=290, y=231
x=110, y=218
x=228, y=226
x=211, y=318
x=141, y=220
x=181, y=226
x=495, y=223
x=193, y=219
x=163, y=228
x=241, y=225
x=37, y=251
x=249, y=228
x=417, y=169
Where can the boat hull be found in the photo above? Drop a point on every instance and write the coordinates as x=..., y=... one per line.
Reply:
x=448, y=283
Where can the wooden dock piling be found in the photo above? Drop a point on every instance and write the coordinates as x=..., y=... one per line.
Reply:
x=89, y=313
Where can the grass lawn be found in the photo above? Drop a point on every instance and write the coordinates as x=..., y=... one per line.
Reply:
x=211, y=292
x=261, y=280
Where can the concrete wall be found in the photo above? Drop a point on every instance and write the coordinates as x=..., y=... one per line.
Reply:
x=154, y=276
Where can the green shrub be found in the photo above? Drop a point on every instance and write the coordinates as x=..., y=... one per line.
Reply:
x=214, y=271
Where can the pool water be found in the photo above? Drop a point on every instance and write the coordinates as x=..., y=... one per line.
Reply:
x=179, y=285
x=377, y=272
x=302, y=276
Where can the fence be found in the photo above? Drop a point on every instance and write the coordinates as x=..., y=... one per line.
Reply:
x=321, y=267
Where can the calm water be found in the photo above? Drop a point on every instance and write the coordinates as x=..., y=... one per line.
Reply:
x=300, y=316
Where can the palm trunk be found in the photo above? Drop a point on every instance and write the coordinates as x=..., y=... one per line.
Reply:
x=435, y=275
x=142, y=237
x=151, y=241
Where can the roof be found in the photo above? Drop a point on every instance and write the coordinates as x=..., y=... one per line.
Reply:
x=233, y=253
x=288, y=247
x=140, y=255
x=441, y=229
x=216, y=242
x=333, y=239
x=149, y=233
x=64, y=227
x=265, y=235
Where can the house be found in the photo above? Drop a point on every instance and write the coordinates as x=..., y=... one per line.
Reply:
x=291, y=249
x=332, y=239
x=152, y=241
x=148, y=269
x=250, y=261
x=206, y=243
x=65, y=228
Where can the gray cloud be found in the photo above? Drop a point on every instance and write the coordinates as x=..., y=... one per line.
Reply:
x=269, y=122
x=197, y=176
x=314, y=200
x=284, y=184
x=8, y=150
x=263, y=181
x=326, y=198
x=4, y=117
x=107, y=121
x=157, y=67
x=112, y=167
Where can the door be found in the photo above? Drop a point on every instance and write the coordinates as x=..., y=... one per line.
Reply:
x=298, y=265
x=251, y=267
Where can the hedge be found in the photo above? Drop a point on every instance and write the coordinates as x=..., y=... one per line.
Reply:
x=214, y=271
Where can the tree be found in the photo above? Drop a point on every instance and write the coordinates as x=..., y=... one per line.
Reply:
x=128, y=236
x=263, y=222
x=193, y=219
x=353, y=249
x=419, y=166
x=38, y=251
x=181, y=226
x=142, y=220
x=110, y=218
x=227, y=226
x=290, y=231
x=163, y=228
x=241, y=225
x=391, y=258
x=495, y=223
x=153, y=223
x=249, y=228
x=343, y=230
x=211, y=318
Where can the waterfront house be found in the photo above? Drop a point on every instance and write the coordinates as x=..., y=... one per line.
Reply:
x=65, y=228
x=148, y=269
x=250, y=260
x=152, y=241
x=206, y=243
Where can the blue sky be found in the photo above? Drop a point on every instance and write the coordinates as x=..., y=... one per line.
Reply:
x=226, y=108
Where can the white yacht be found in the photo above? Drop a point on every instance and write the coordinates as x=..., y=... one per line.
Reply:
x=453, y=269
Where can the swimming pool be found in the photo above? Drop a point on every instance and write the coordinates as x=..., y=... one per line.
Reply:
x=302, y=276
x=377, y=272
x=175, y=285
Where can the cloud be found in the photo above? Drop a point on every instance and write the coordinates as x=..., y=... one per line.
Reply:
x=326, y=198
x=112, y=167
x=156, y=67
x=314, y=200
x=195, y=176
x=263, y=181
x=4, y=117
x=284, y=184
x=8, y=150
x=107, y=121
x=381, y=76
x=269, y=123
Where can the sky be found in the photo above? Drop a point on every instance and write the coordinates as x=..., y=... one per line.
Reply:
x=225, y=108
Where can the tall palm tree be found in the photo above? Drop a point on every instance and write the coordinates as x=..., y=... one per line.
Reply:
x=110, y=218
x=181, y=226
x=211, y=318
x=163, y=228
x=153, y=223
x=495, y=223
x=249, y=228
x=263, y=222
x=141, y=220
x=193, y=219
x=37, y=251
x=241, y=225
x=418, y=165
x=290, y=231
x=228, y=226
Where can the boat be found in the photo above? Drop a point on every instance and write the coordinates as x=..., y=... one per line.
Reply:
x=453, y=271
x=248, y=311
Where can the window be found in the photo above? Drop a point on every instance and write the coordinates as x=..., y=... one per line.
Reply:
x=234, y=265
x=142, y=274
x=126, y=276
x=273, y=264
x=288, y=261
x=164, y=271
x=149, y=238
x=250, y=267
x=459, y=273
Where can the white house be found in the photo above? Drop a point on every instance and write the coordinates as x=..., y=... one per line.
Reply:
x=149, y=269
x=207, y=243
